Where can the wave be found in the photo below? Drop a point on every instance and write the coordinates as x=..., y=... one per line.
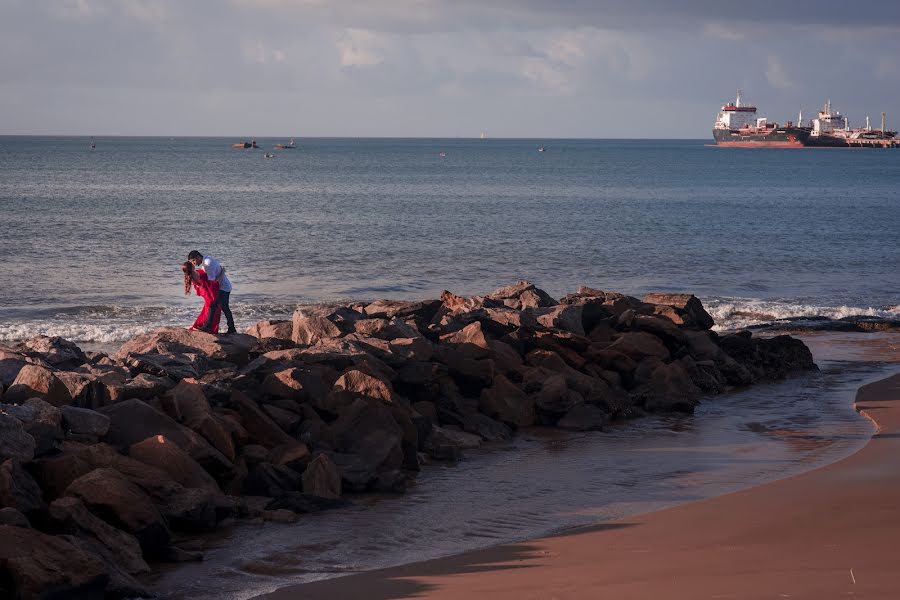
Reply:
x=738, y=313
x=112, y=323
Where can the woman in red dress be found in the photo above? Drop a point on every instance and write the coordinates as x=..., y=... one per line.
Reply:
x=206, y=289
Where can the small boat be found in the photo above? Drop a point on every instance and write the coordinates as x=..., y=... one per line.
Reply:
x=268, y=155
x=541, y=149
x=442, y=154
x=290, y=146
x=93, y=145
x=241, y=145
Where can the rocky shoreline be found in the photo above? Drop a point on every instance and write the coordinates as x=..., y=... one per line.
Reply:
x=104, y=458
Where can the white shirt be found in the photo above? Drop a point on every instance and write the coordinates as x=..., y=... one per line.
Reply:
x=213, y=268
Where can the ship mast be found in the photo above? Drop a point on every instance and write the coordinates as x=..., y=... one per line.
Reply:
x=737, y=100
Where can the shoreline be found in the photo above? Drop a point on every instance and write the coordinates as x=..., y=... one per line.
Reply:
x=808, y=535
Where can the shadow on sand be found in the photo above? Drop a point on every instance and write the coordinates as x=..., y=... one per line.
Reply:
x=407, y=581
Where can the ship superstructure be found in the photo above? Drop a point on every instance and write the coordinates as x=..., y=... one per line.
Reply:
x=832, y=129
x=738, y=126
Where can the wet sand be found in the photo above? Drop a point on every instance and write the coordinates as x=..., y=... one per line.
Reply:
x=831, y=532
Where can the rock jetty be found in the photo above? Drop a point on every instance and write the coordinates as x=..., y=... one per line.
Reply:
x=103, y=457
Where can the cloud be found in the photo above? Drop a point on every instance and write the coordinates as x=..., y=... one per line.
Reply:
x=360, y=48
x=723, y=32
x=776, y=74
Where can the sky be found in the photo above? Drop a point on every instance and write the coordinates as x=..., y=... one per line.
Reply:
x=438, y=68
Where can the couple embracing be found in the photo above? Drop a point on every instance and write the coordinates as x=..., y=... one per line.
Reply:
x=211, y=283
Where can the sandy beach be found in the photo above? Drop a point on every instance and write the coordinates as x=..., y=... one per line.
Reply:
x=828, y=533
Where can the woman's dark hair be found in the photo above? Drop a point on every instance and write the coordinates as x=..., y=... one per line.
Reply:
x=187, y=268
x=194, y=254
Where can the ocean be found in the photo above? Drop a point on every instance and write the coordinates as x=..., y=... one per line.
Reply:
x=91, y=239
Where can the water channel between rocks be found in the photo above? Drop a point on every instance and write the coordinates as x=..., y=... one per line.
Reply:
x=545, y=481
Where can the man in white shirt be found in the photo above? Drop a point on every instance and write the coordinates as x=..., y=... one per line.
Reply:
x=217, y=272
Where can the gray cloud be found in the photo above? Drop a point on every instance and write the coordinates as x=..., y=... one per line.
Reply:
x=424, y=67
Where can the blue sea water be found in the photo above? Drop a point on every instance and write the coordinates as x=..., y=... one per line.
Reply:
x=91, y=239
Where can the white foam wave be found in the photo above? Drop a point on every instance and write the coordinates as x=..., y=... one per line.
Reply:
x=738, y=313
x=113, y=324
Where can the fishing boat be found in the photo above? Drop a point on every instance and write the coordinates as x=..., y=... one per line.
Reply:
x=250, y=144
x=290, y=146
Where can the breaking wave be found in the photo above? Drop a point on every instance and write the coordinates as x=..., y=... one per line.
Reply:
x=738, y=313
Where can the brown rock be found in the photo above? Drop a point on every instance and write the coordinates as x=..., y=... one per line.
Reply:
x=10, y=365
x=175, y=341
x=671, y=388
x=34, y=381
x=638, y=344
x=161, y=453
x=70, y=515
x=37, y=566
x=56, y=351
x=309, y=329
x=322, y=478
x=272, y=329
x=108, y=494
x=566, y=317
x=260, y=427
x=18, y=489
x=688, y=309
x=145, y=386
x=506, y=402
x=286, y=383
x=470, y=340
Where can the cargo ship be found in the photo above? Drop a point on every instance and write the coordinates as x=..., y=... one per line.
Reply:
x=831, y=129
x=738, y=126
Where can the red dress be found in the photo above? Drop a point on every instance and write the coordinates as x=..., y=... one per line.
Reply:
x=208, y=290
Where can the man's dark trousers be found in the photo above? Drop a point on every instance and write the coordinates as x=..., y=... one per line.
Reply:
x=221, y=300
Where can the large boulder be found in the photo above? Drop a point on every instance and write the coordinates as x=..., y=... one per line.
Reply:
x=35, y=381
x=322, y=478
x=56, y=351
x=682, y=309
x=43, y=423
x=84, y=421
x=639, y=344
x=145, y=386
x=133, y=421
x=15, y=442
x=367, y=430
x=234, y=348
x=122, y=504
x=259, y=426
x=521, y=295
x=272, y=329
x=69, y=515
x=469, y=340
x=40, y=566
x=19, y=490
x=671, y=389
x=508, y=403
x=567, y=317
x=309, y=329
x=10, y=365
x=177, y=464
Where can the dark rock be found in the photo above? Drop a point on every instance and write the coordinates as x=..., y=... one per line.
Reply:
x=161, y=453
x=309, y=329
x=174, y=341
x=37, y=566
x=70, y=516
x=508, y=403
x=671, y=388
x=638, y=344
x=133, y=421
x=56, y=351
x=11, y=516
x=688, y=309
x=266, y=479
x=584, y=417
x=15, y=442
x=145, y=386
x=262, y=429
x=322, y=478
x=84, y=421
x=521, y=295
x=19, y=490
x=122, y=504
x=10, y=365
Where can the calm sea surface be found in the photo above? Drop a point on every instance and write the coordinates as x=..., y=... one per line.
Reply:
x=91, y=240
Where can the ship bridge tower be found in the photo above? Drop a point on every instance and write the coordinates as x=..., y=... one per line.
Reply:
x=736, y=115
